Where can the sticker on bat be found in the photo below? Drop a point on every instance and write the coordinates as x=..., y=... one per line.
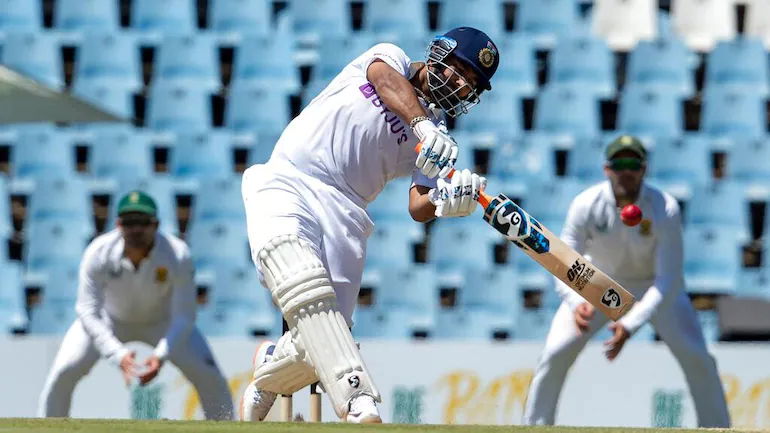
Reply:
x=611, y=298
x=580, y=274
x=507, y=218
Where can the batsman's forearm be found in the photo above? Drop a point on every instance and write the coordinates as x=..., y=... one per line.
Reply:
x=420, y=207
x=395, y=91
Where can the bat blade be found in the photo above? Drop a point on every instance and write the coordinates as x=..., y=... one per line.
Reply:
x=557, y=257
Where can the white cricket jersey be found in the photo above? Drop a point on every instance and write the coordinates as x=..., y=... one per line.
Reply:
x=160, y=290
x=647, y=257
x=347, y=138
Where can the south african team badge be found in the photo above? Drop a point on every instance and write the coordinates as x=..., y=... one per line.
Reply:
x=645, y=227
x=161, y=274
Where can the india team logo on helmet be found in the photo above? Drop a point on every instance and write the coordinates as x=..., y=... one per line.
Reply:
x=487, y=55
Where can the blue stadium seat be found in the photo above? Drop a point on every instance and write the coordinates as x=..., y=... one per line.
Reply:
x=486, y=15
x=412, y=18
x=533, y=324
x=167, y=16
x=405, y=302
x=86, y=15
x=712, y=259
x=54, y=242
x=569, y=110
x=246, y=107
x=583, y=60
x=43, y=151
x=201, y=154
x=267, y=59
x=488, y=303
x=547, y=20
x=59, y=279
x=499, y=113
x=36, y=55
x=242, y=16
x=21, y=15
x=160, y=188
x=517, y=67
x=393, y=201
x=192, y=58
x=719, y=204
x=220, y=242
x=548, y=202
x=651, y=112
x=218, y=198
x=174, y=106
x=6, y=225
x=732, y=112
x=52, y=317
x=238, y=305
x=61, y=198
x=314, y=20
x=392, y=242
x=741, y=62
x=747, y=161
x=113, y=95
x=333, y=55
x=109, y=55
x=685, y=160
x=586, y=160
x=525, y=159
x=133, y=146
x=13, y=314
x=451, y=239
x=260, y=146
x=663, y=62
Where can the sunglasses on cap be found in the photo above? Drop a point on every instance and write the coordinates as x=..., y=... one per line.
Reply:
x=136, y=221
x=619, y=164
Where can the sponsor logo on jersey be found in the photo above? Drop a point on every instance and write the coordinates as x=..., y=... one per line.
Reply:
x=393, y=122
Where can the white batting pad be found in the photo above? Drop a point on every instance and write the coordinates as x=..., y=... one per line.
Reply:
x=301, y=288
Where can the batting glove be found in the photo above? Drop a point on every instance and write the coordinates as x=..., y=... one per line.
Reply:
x=457, y=197
x=439, y=150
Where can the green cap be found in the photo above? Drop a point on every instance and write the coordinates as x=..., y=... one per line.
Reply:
x=626, y=142
x=137, y=201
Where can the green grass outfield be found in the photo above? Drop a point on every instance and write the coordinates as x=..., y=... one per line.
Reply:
x=28, y=425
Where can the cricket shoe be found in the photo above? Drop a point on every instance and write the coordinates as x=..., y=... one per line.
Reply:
x=256, y=403
x=363, y=410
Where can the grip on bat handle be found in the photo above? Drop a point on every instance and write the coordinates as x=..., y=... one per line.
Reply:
x=483, y=199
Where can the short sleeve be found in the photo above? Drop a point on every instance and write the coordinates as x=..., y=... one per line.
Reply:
x=391, y=54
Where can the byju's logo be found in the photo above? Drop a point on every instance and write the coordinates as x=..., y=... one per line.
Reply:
x=395, y=125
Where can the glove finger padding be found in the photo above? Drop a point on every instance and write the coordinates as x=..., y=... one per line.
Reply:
x=449, y=164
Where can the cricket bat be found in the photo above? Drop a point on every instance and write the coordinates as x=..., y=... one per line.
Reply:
x=554, y=255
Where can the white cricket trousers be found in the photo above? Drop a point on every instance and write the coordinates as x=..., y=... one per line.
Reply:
x=675, y=322
x=77, y=355
x=281, y=200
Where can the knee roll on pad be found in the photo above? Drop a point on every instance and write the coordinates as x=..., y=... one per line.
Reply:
x=301, y=288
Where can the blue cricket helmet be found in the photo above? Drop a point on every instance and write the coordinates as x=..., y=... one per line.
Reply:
x=476, y=49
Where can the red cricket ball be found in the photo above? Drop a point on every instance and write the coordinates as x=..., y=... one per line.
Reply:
x=631, y=215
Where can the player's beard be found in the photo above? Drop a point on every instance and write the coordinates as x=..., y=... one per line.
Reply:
x=626, y=188
x=139, y=240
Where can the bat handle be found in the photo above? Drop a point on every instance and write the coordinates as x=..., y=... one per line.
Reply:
x=483, y=199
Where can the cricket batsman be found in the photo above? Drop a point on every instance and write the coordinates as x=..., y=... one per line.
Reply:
x=306, y=207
